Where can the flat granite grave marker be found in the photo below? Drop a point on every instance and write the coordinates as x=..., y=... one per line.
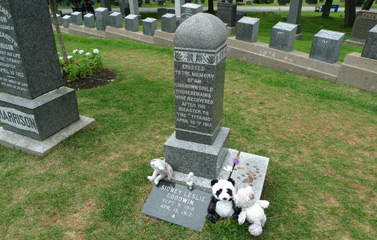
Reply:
x=177, y=204
x=132, y=23
x=189, y=10
x=149, y=26
x=227, y=12
x=66, y=21
x=326, y=46
x=116, y=20
x=169, y=23
x=365, y=21
x=283, y=36
x=76, y=18
x=102, y=15
x=89, y=20
x=33, y=102
x=370, y=47
x=247, y=29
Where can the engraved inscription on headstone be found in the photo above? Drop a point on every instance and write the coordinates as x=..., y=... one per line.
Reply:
x=365, y=21
x=177, y=204
x=18, y=119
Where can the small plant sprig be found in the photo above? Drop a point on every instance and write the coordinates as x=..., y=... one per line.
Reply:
x=81, y=64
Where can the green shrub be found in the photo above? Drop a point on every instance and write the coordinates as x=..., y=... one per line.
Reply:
x=81, y=64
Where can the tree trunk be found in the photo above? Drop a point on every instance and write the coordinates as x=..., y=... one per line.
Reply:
x=57, y=27
x=368, y=4
x=327, y=8
x=211, y=8
x=349, y=13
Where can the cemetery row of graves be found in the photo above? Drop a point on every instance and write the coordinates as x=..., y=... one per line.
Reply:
x=209, y=116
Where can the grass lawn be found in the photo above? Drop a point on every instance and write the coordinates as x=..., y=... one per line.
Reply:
x=320, y=138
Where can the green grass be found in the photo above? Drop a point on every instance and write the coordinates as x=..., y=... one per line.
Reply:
x=320, y=138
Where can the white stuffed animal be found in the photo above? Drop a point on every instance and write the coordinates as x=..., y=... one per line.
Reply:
x=161, y=170
x=251, y=210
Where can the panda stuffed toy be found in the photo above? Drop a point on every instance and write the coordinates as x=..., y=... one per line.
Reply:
x=222, y=204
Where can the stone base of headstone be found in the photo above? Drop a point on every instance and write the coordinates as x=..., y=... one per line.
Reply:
x=359, y=72
x=164, y=39
x=42, y=148
x=354, y=43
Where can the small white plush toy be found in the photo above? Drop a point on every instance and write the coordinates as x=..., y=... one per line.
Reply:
x=190, y=180
x=251, y=210
x=161, y=170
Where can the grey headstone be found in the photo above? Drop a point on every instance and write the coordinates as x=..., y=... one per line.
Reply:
x=134, y=7
x=283, y=36
x=177, y=204
x=172, y=11
x=239, y=15
x=59, y=17
x=149, y=26
x=161, y=2
x=295, y=13
x=160, y=12
x=199, y=143
x=76, y=18
x=106, y=4
x=116, y=20
x=66, y=21
x=249, y=2
x=169, y=23
x=132, y=23
x=365, y=21
x=33, y=102
x=189, y=10
x=89, y=20
x=247, y=29
x=370, y=47
x=102, y=18
x=227, y=12
x=326, y=46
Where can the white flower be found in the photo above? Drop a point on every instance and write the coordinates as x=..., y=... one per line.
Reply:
x=69, y=57
x=61, y=58
x=96, y=51
x=75, y=51
x=87, y=54
x=81, y=52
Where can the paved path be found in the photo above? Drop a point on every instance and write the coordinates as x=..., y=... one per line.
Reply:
x=239, y=8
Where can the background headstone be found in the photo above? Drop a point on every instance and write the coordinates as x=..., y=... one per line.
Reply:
x=283, y=36
x=132, y=23
x=76, y=18
x=239, y=15
x=370, y=47
x=102, y=15
x=161, y=2
x=365, y=21
x=134, y=7
x=295, y=14
x=106, y=4
x=168, y=23
x=124, y=8
x=227, y=12
x=160, y=12
x=247, y=29
x=66, y=21
x=149, y=26
x=189, y=10
x=116, y=20
x=89, y=20
x=178, y=8
x=199, y=144
x=326, y=46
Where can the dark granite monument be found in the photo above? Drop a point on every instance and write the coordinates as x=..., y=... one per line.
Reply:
x=370, y=47
x=283, y=36
x=106, y=4
x=326, y=46
x=247, y=29
x=365, y=21
x=227, y=12
x=294, y=16
x=33, y=102
x=160, y=12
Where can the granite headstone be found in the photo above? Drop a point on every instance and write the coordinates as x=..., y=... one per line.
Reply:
x=116, y=20
x=66, y=21
x=76, y=18
x=106, y=4
x=132, y=23
x=227, y=12
x=365, y=21
x=189, y=10
x=160, y=12
x=89, y=20
x=149, y=26
x=247, y=29
x=295, y=14
x=283, y=36
x=370, y=47
x=102, y=18
x=199, y=143
x=169, y=23
x=33, y=101
x=326, y=46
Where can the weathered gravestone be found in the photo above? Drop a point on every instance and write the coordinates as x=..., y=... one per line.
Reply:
x=370, y=47
x=76, y=18
x=189, y=10
x=106, y=4
x=283, y=36
x=89, y=20
x=60, y=20
x=132, y=23
x=227, y=12
x=177, y=204
x=134, y=7
x=326, y=46
x=160, y=12
x=124, y=8
x=102, y=18
x=116, y=20
x=247, y=29
x=149, y=26
x=365, y=21
x=294, y=15
x=34, y=104
x=168, y=23
x=66, y=21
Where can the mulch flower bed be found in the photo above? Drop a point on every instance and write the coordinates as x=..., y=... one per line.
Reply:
x=99, y=79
